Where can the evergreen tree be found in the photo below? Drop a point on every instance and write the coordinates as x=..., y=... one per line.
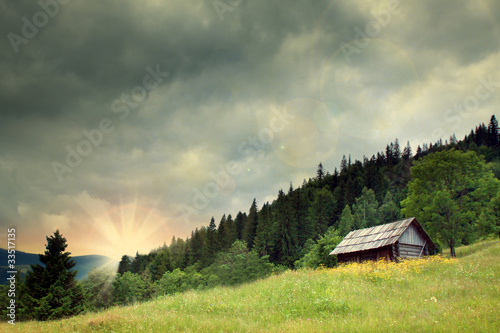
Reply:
x=124, y=265
x=221, y=232
x=178, y=253
x=229, y=236
x=346, y=223
x=263, y=235
x=388, y=212
x=493, y=132
x=196, y=245
x=301, y=203
x=211, y=246
x=286, y=243
x=320, y=172
x=161, y=264
x=407, y=152
x=321, y=211
x=51, y=291
x=343, y=165
x=139, y=263
x=365, y=210
x=250, y=226
x=239, y=223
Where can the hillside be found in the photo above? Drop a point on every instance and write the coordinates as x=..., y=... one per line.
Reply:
x=435, y=294
x=84, y=264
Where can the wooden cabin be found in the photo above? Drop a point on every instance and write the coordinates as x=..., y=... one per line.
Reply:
x=400, y=239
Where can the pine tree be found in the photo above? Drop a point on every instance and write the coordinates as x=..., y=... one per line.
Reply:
x=221, y=232
x=321, y=212
x=196, y=245
x=493, y=136
x=388, y=211
x=407, y=152
x=229, y=232
x=365, y=209
x=300, y=207
x=124, y=265
x=211, y=246
x=239, y=223
x=346, y=223
x=250, y=226
x=320, y=173
x=263, y=236
x=286, y=243
x=343, y=165
x=51, y=291
x=161, y=264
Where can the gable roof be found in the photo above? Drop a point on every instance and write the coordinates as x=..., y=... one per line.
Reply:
x=378, y=236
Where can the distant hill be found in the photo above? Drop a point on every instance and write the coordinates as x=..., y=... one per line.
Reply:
x=84, y=264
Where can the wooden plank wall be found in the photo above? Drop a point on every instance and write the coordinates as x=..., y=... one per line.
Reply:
x=412, y=236
x=410, y=251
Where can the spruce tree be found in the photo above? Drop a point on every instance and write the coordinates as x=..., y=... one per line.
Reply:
x=250, y=227
x=124, y=265
x=321, y=212
x=286, y=242
x=365, y=210
x=51, y=290
x=346, y=223
x=493, y=136
x=388, y=212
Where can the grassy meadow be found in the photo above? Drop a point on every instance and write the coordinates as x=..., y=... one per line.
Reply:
x=437, y=294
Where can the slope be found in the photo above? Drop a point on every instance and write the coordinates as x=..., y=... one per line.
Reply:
x=435, y=294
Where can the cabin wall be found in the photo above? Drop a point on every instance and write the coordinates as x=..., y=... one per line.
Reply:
x=412, y=244
x=412, y=236
x=375, y=254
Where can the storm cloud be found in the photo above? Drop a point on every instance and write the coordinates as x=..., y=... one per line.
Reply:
x=123, y=123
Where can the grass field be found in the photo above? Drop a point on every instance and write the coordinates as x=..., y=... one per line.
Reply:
x=428, y=295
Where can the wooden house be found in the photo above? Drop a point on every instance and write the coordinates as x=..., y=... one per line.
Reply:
x=400, y=239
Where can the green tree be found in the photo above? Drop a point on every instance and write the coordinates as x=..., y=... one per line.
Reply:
x=263, y=235
x=321, y=212
x=286, y=238
x=211, y=246
x=447, y=192
x=51, y=291
x=124, y=265
x=250, y=226
x=97, y=289
x=346, y=223
x=489, y=220
x=178, y=253
x=319, y=253
x=238, y=265
x=128, y=288
x=160, y=264
x=365, y=209
x=389, y=210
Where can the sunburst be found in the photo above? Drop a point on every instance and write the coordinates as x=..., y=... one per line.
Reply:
x=127, y=229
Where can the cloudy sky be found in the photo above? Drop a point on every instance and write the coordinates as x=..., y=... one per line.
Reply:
x=123, y=123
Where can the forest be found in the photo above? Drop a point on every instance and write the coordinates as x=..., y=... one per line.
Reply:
x=452, y=187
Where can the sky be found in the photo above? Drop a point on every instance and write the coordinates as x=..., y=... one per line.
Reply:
x=124, y=123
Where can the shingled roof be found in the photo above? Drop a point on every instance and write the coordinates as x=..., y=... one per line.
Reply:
x=375, y=237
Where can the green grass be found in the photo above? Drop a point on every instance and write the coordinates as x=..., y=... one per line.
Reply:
x=431, y=295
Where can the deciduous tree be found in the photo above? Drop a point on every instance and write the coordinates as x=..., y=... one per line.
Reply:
x=447, y=192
